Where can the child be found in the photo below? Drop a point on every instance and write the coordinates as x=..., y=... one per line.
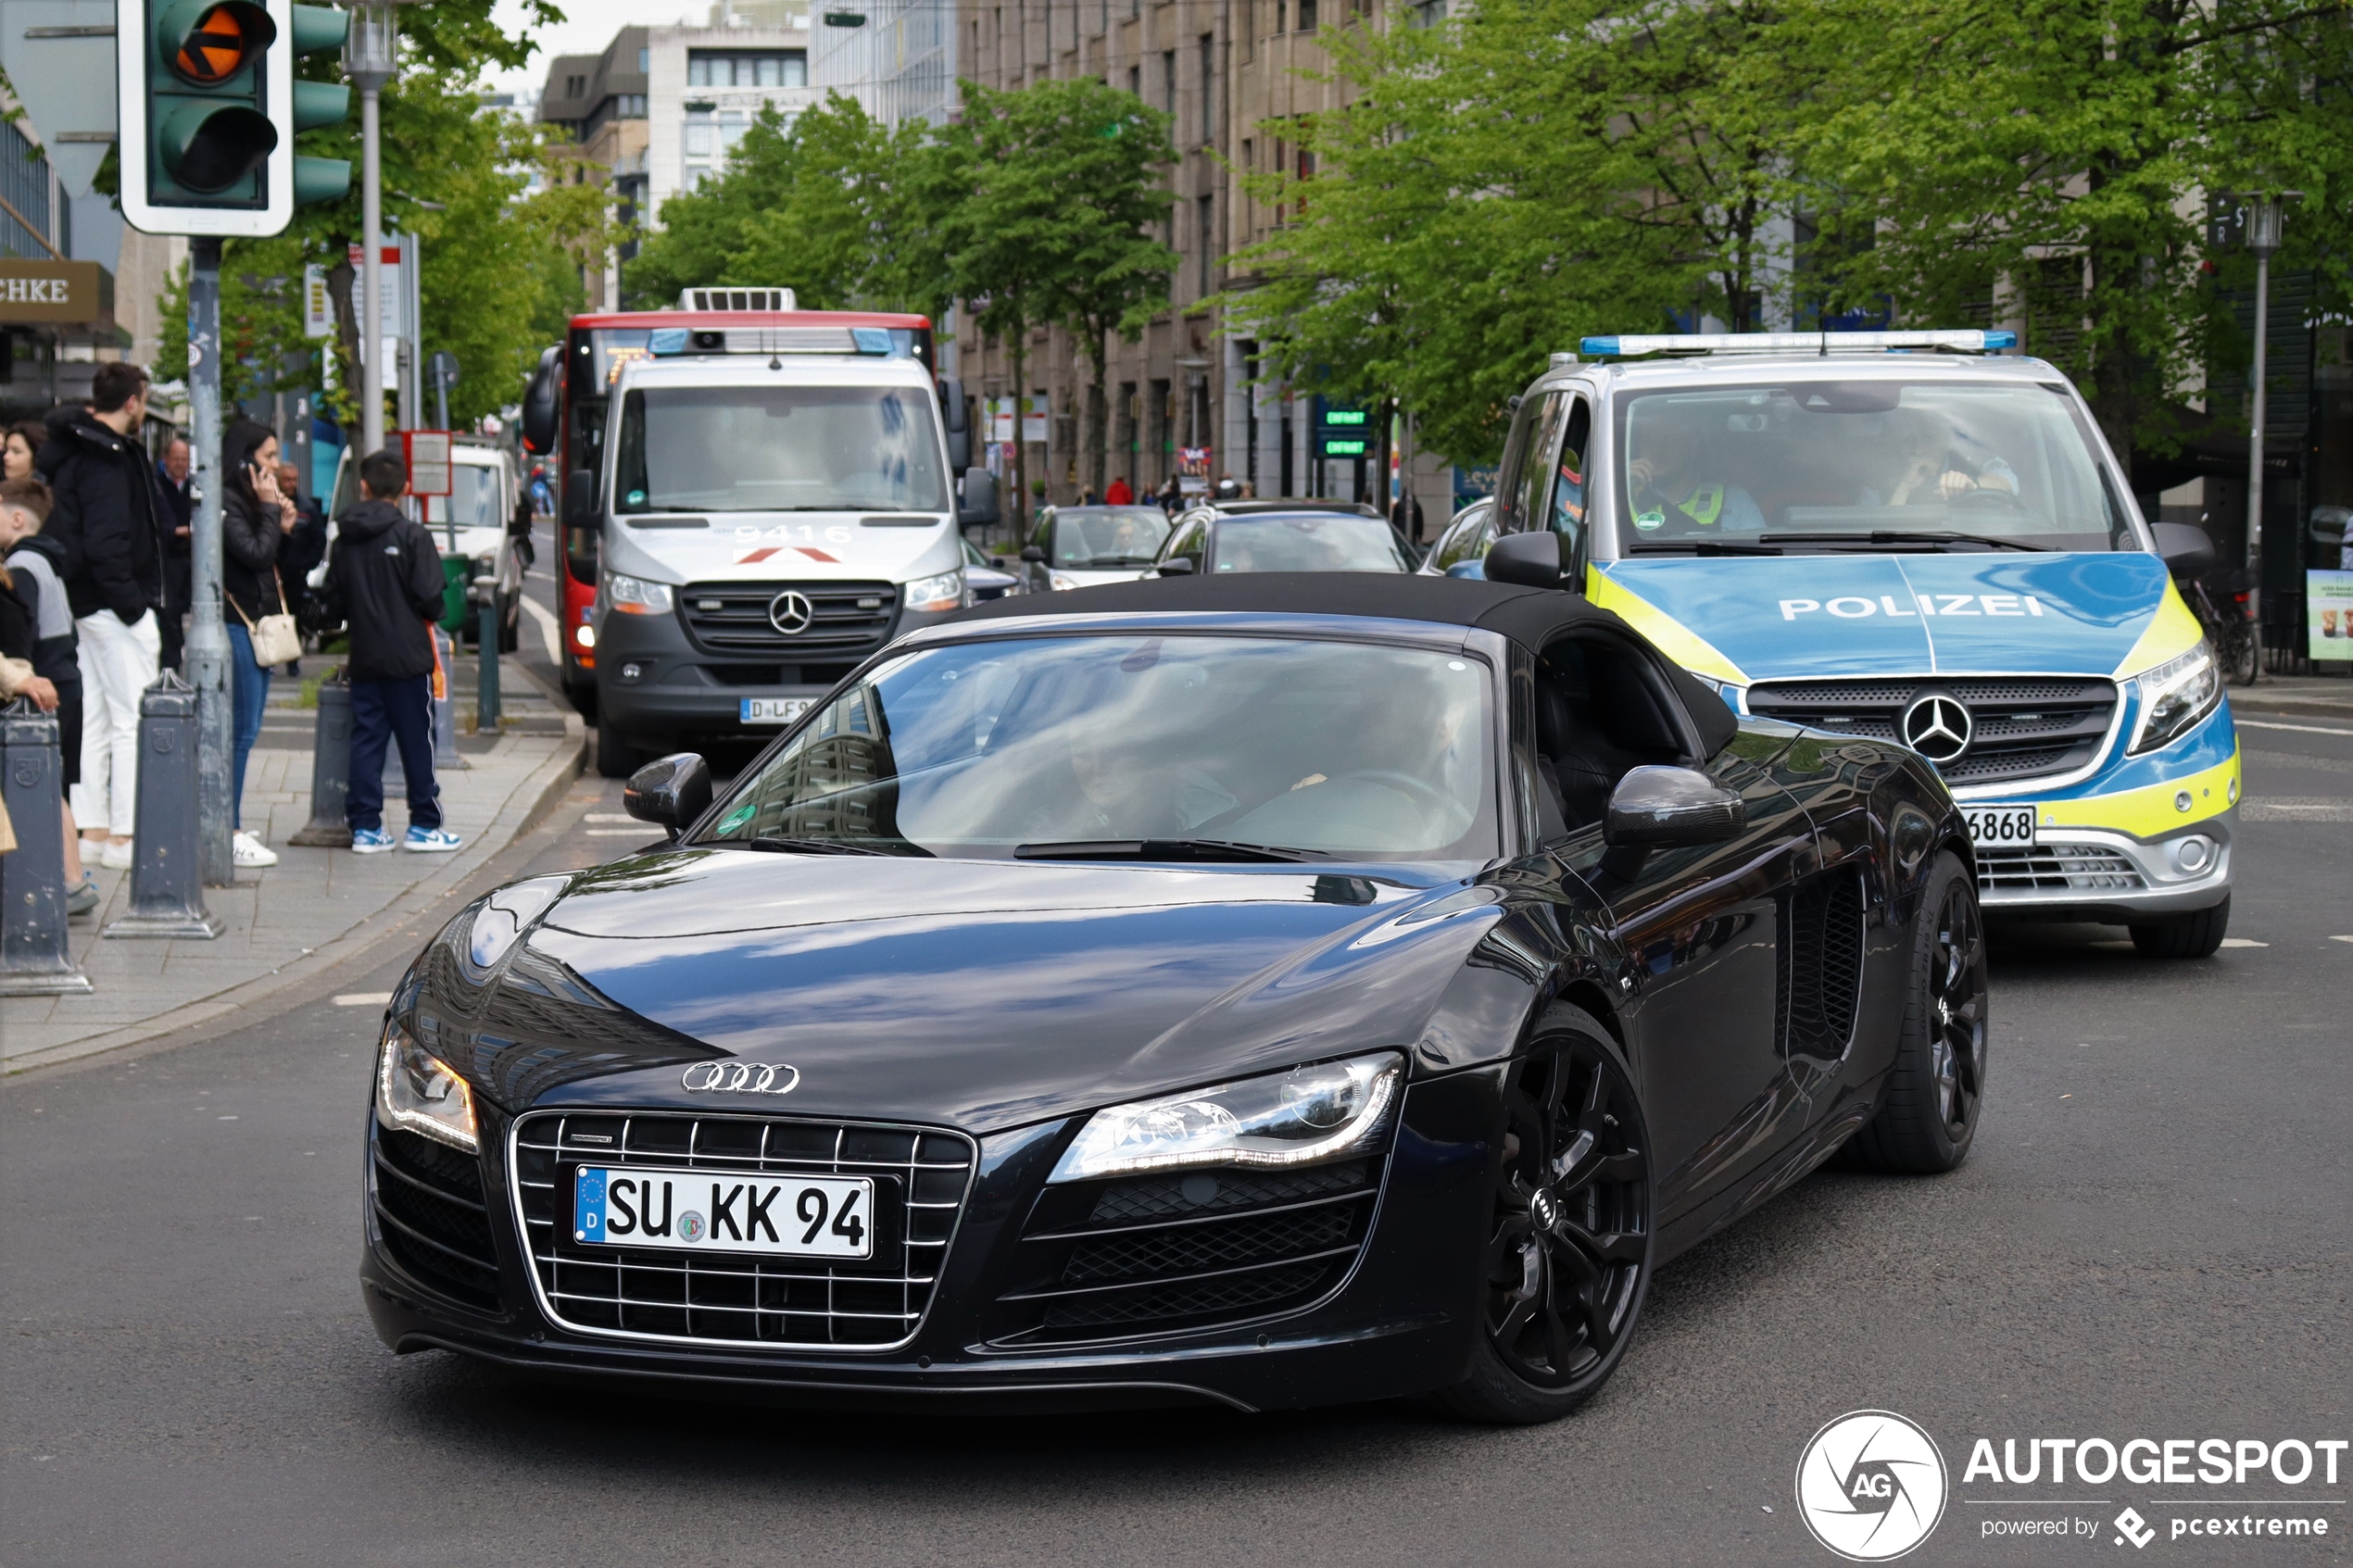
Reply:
x=385, y=584
x=33, y=563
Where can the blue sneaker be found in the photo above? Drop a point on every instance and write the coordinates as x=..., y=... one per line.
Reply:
x=369, y=841
x=430, y=841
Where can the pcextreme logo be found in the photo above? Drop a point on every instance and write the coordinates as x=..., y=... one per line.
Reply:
x=1870, y=1485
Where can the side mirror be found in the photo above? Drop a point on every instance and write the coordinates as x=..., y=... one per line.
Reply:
x=2187, y=552
x=978, y=507
x=1654, y=807
x=1177, y=566
x=1532, y=560
x=580, y=498
x=541, y=400
x=1034, y=554
x=670, y=791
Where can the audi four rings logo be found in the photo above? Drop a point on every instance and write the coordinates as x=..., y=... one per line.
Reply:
x=791, y=613
x=1937, y=727
x=740, y=1078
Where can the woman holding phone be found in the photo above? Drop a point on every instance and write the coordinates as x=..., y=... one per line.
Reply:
x=254, y=520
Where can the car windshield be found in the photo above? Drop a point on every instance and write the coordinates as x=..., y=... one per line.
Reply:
x=1105, y=537
x=1308, y=541
x=473, y=501
x=1815, y=464
x=1358, y=750
x=779, y=449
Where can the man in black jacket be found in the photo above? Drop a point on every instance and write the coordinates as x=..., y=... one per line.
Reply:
x=112, y=538
x=177, y=492
x=385, y=584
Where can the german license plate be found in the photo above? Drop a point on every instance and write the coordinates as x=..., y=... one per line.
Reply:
x=1991, y=827
x=773, y=710
x=723, y=1212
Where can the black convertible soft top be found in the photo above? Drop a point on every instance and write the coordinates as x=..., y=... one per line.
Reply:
x=1532, y=616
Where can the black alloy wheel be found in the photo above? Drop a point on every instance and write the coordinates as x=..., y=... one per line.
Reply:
x=1568, y=1258
x=1928, y=1112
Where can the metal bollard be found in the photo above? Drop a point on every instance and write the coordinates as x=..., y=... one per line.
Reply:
x=445, y=712
x=167, y=884
x=484, y=594
x=329, y=769
x=35, y=959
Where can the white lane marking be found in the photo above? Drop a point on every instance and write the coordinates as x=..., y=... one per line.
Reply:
x=622, y=833
x=608, y=817
x=2299, y=728
x=363, y=999
x=546, y=619
x=2341, y=938
x=2243, y=942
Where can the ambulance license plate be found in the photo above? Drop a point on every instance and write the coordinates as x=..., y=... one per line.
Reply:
x=709, y=1210
x=773, y=710
x=1993, y=827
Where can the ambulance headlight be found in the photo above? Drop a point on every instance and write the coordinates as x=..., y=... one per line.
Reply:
x=2175, y=695
x=635, y=596
x=943, y=592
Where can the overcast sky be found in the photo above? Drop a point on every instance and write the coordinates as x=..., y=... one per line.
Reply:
x=588, y=26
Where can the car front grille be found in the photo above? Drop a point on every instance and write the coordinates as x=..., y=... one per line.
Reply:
x=920, y=1175
x=848, y=619
x=1168, y=1254
x=431, y=1217
x=2021, y=729
x=2054, y=868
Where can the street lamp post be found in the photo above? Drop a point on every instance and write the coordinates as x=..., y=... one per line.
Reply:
x=368, y=61
x=2264, y=220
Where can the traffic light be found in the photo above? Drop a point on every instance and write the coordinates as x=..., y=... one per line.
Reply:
x=208, y=108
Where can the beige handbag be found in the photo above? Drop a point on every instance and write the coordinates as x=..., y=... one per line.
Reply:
x=276, y=639
x=7, y=833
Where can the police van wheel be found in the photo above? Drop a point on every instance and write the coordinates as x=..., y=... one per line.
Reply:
x=1928, y=1113
x=616, y=758
x=2193, y=935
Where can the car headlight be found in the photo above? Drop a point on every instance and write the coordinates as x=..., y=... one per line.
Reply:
x=416, y=1094
x=635, y=596
x=2176, y=695
x=943, y=592
x=1326, y=1111
x=1062, y=581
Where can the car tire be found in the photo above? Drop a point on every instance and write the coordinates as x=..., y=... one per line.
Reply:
x=1928, y=1112
x=616, y=758
x=2197, y=934
x=1559, y=1297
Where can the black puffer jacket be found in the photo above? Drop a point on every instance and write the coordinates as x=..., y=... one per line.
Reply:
x=249, y=540
x=106, y=516
x=385, y=584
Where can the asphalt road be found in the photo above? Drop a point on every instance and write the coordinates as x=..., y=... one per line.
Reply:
x=2151, y=1240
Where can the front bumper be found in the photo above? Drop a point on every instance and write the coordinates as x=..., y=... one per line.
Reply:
x=1400, y=1319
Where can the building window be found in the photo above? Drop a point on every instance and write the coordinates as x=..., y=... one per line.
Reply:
x=1280, y=25
x=1168, y=81
x=1208, y=250
x=1208, y=88
x=24, y=179
x=1306, y=15
x=643, y=60
x=576, y=86
x=1136, y=80
x=744, y=67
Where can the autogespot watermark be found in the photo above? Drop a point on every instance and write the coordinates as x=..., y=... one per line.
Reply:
x=1872, y=1484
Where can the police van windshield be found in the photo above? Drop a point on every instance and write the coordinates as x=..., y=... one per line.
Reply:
x=778, y=449
x=1829, y=465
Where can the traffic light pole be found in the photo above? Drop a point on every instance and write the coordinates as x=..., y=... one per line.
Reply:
x=371, y=272
x=207, y=645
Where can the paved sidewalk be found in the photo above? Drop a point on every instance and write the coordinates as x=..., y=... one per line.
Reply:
x=314, y=908
x=2305, y=697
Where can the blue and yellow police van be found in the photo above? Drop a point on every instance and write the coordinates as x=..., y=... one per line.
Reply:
x=1909, y=536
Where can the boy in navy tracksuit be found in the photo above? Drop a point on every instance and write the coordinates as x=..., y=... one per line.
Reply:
x=385, y=583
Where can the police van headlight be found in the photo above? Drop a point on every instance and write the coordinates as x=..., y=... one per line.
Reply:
x=2175, y=695
x=635, y=596
x=943, y=592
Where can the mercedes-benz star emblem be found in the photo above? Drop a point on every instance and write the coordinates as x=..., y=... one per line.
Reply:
x=1937, y=727
x=740, y=1078
x=791, y=613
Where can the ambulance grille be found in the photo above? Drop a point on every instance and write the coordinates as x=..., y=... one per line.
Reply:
x=848, y=621
x=2024, y=728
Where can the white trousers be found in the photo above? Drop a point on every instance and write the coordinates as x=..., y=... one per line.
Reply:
x=118, y=663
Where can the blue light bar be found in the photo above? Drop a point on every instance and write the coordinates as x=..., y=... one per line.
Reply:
x=871, y=340
x=1952, y=340
x=666, y=340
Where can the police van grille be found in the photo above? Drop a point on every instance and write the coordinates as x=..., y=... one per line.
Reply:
x=2054, y=868
x=2023, y=728
x=921, y=1176
x=848, y=619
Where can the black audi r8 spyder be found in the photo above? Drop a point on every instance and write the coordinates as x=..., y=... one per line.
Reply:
x=1271, y=991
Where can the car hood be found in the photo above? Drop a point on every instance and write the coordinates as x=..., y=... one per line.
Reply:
x=982, y=995
x=1765, y=617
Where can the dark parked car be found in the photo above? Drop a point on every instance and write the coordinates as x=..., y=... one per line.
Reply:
x=1234, y=537
x=1266, y=991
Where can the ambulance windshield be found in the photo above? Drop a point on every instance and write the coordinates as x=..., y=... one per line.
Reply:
x=1830, y=465
x=779, y=449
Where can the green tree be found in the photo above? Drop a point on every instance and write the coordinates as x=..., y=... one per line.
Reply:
x=1056, y=182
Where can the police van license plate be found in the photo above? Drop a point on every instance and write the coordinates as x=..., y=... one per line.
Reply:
x=710, y=1210
x=773, y=710
x=1990, y=827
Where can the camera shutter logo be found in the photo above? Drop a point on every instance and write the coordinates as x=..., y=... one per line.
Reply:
x=791, y=613
x=1871, y=1485
x=740, y=1078
x=1937, y=727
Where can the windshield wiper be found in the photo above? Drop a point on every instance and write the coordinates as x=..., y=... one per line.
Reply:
x=1905, y=536
x=1100, y=561
x=799, y=846
x=1708, y=547
x=1161, y=849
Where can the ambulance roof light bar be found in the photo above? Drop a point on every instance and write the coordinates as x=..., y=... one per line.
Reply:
x=1952, y=340
x=737, y=299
